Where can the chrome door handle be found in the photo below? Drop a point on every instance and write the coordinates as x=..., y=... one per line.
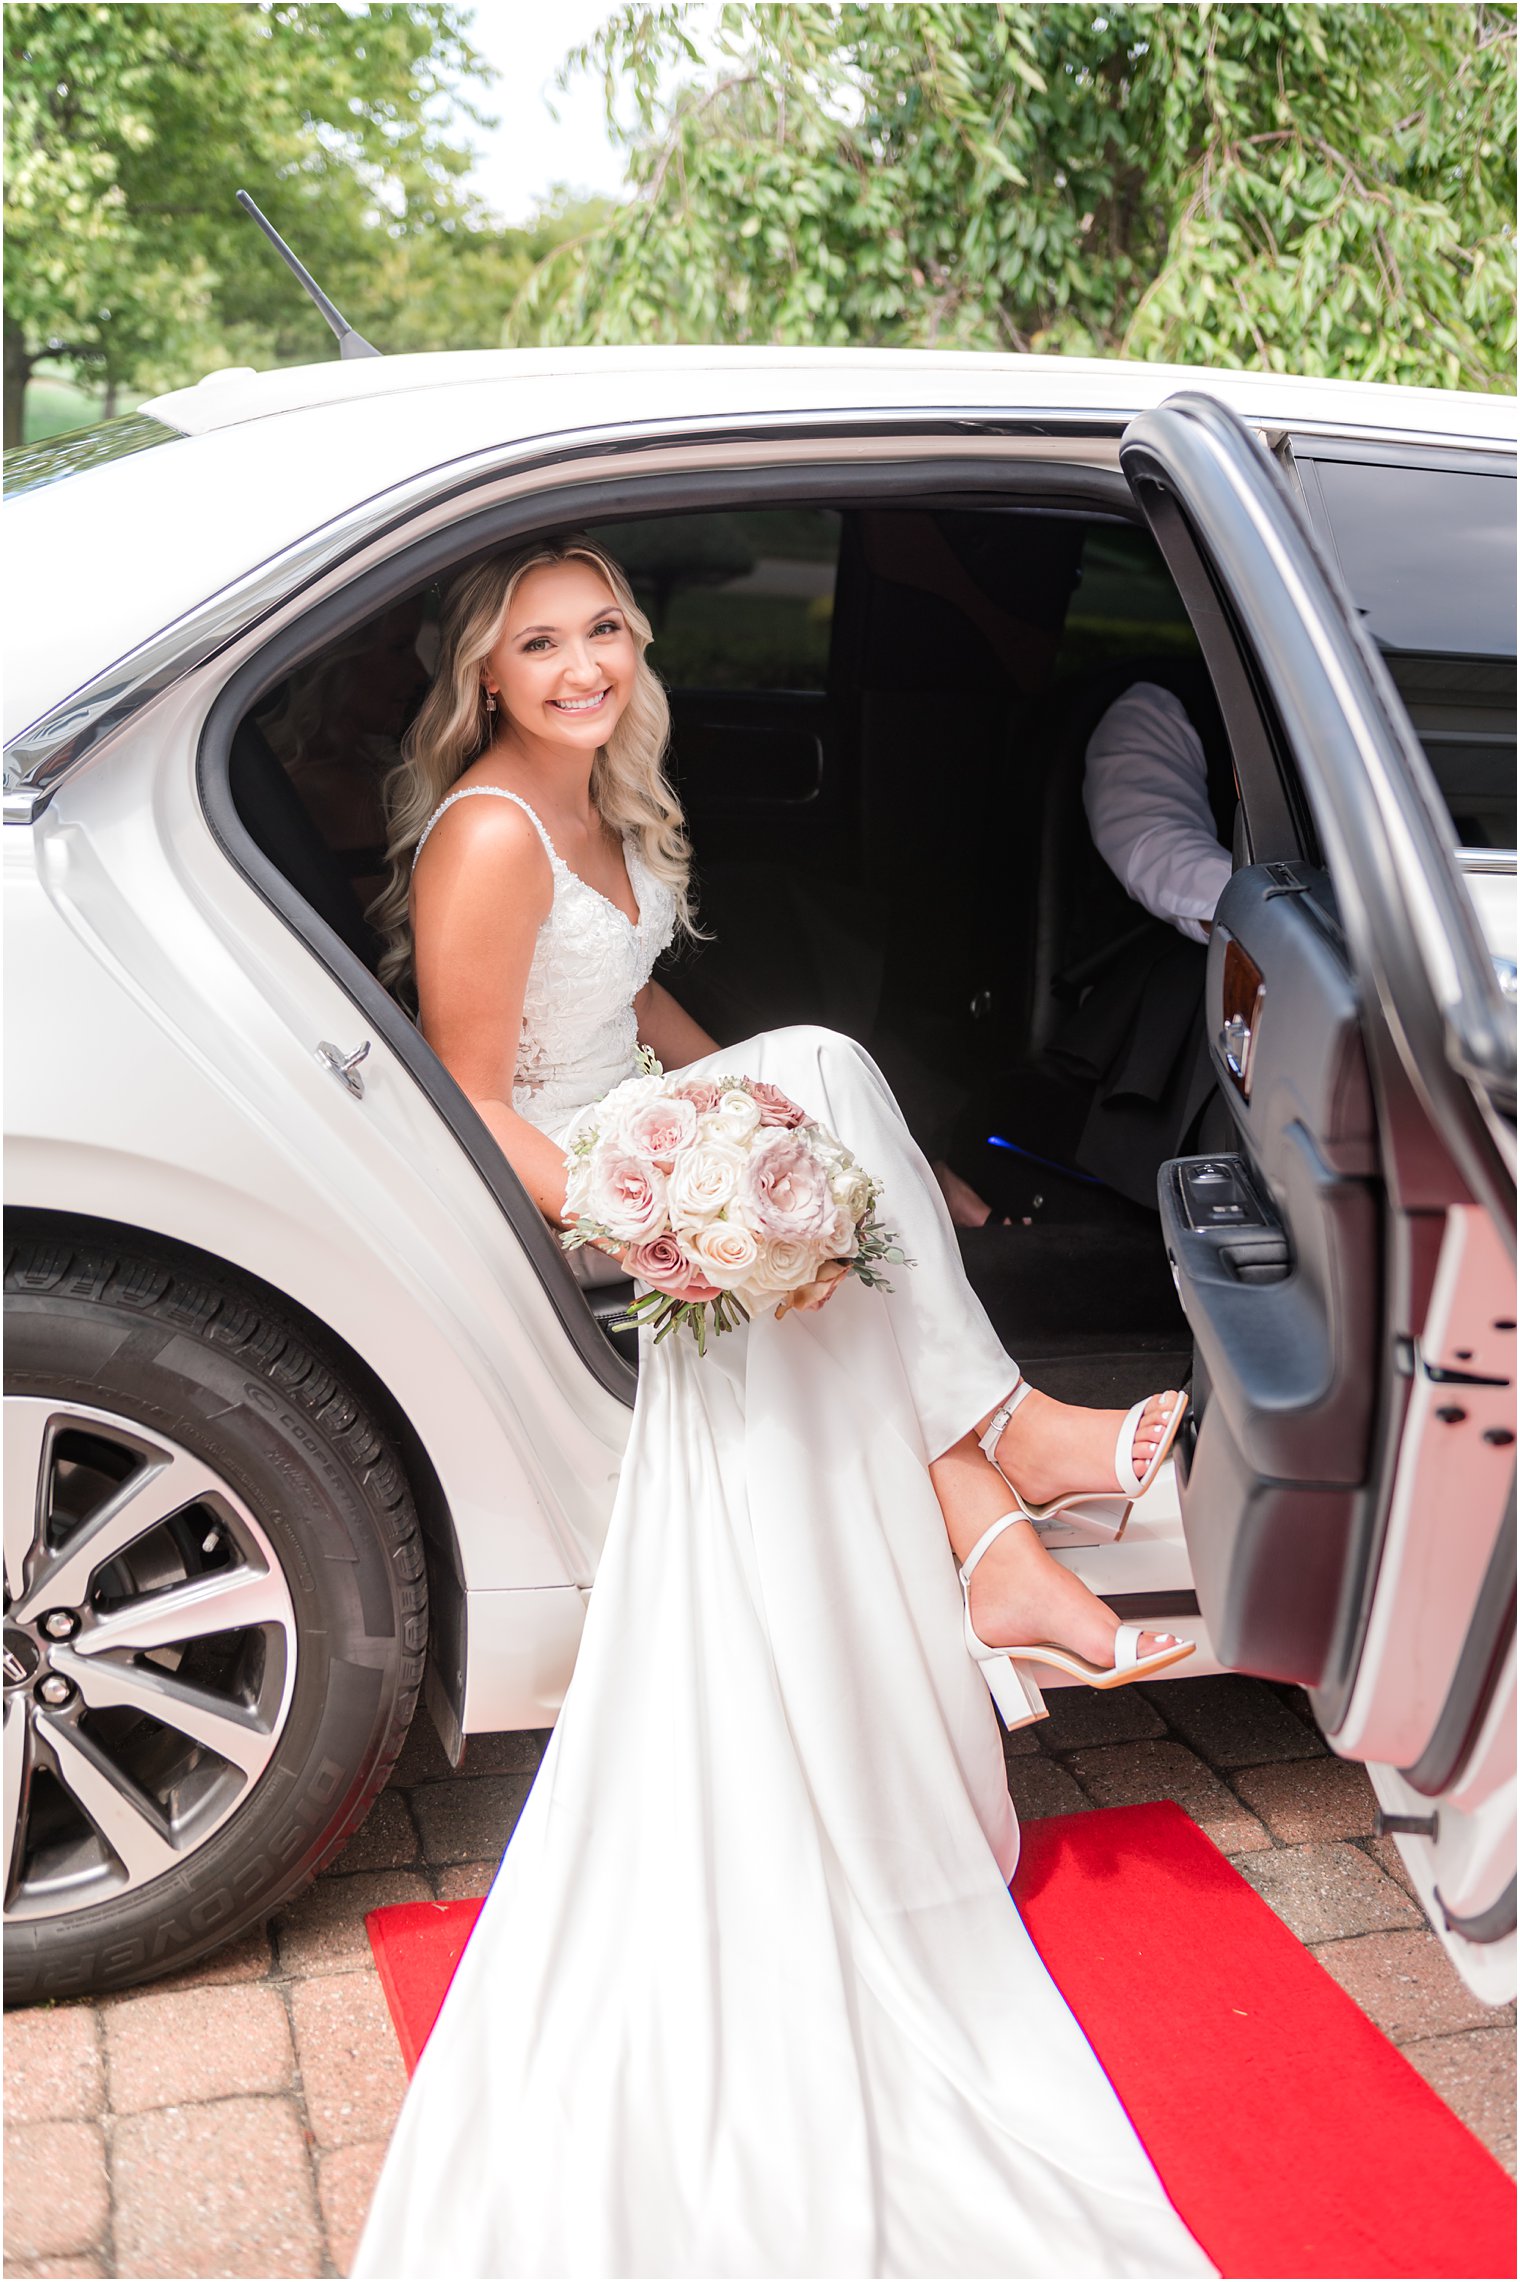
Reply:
x=1235, y=1045
x=344, y=1066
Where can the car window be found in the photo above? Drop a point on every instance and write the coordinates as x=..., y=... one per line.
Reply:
x=1126, y=603
x=1428, y=553
x=741, y=600
x=29, y=466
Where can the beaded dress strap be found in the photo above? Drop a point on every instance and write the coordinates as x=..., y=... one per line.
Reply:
x=500, y=792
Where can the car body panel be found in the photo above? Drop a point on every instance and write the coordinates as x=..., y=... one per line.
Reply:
x=226, y=1133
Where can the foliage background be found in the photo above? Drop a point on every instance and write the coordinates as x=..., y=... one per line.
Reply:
x=128, y=129
x=1326, y=190
x=1323, y=189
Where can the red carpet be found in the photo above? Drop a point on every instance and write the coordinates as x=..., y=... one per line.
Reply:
x=1292, y=2137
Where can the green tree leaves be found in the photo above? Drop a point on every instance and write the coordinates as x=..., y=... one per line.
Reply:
x=1322, y=189
x=127, y=130
x=1318, y=189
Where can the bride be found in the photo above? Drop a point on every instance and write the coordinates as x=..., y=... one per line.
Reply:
x=748, y=1995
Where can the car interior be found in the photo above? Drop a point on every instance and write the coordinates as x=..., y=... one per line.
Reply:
x=880, y=717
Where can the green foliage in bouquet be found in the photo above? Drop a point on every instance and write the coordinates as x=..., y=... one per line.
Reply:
x=664, y=1312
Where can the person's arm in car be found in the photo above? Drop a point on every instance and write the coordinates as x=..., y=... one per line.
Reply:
x=1145, y=791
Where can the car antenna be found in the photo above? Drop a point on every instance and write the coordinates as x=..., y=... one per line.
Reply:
x=350, y=343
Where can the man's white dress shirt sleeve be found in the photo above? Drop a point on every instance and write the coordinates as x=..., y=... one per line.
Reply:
x=1146, y=793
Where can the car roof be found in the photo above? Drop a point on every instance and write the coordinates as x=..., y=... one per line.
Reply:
x=104, y=561
x=832, y=379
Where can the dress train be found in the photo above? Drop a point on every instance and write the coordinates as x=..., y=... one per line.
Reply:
x=748, y=1995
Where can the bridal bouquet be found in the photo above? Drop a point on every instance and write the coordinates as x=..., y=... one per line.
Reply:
x=721, y=1188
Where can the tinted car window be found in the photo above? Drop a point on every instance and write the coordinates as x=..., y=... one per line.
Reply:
x=29, y=466
x=737, y=601
x=1429, y=555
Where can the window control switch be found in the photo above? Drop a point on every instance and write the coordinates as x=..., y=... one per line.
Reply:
x=1216, y=1196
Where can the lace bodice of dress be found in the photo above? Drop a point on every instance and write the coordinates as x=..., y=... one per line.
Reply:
x=579, y=1032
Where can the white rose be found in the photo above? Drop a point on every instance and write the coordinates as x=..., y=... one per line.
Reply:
x=615, y=1108
x=724, y=1252
x=851, y=1190
x=736, y=1116
x=785, y=1262
x=842, y=1243
x=704, y=1179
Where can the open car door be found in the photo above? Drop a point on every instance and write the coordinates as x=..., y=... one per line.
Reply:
x=1346, y=1260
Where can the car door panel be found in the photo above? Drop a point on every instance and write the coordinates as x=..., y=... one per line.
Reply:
x=1282, y=1348
x=1352, y=1457
x=1281, y=1287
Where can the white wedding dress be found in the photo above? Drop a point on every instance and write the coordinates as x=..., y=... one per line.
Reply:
x=748, y=1995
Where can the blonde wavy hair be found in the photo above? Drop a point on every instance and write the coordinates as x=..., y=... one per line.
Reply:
x=629, y=788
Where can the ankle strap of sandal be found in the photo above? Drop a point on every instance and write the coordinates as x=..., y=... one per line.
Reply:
x=989, y=1440
x=988, y=1535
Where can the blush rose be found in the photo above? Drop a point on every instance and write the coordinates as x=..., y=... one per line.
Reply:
x=776, y=1108
x=626, y=1195
x=661, y=1263
x=657, y=1129
x=785, y=1191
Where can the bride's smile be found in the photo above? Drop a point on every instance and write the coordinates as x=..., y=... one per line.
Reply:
x=563, y=670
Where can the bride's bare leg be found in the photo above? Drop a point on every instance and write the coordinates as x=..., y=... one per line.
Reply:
x=967, y=1209
x=1019, y=1592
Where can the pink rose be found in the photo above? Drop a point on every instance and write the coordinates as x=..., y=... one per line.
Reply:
x=701, y=1093
x=626, y=1195
x=657, y=1129
x=786, y=1190
x=776, y=1108
x=662, y=1263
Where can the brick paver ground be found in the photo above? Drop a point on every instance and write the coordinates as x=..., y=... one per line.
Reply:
x=231, y=2121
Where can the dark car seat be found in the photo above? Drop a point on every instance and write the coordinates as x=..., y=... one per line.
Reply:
x=278, y=824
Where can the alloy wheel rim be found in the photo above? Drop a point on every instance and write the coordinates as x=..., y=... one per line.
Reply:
x=150, y=1655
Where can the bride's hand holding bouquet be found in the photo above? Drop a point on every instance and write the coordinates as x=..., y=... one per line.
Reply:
x=721, y=1194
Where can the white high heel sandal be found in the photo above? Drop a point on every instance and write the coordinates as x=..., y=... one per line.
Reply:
x=1016, y=1692
x=1099, y=1510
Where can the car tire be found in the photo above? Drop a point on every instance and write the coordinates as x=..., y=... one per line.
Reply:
x=215, y=1618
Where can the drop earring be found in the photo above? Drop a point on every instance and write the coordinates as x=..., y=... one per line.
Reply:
x=490, y=696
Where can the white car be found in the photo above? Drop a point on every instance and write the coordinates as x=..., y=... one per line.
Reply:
x=305, y=1406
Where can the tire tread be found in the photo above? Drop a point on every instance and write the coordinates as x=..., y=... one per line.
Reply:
x=194, y=1299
